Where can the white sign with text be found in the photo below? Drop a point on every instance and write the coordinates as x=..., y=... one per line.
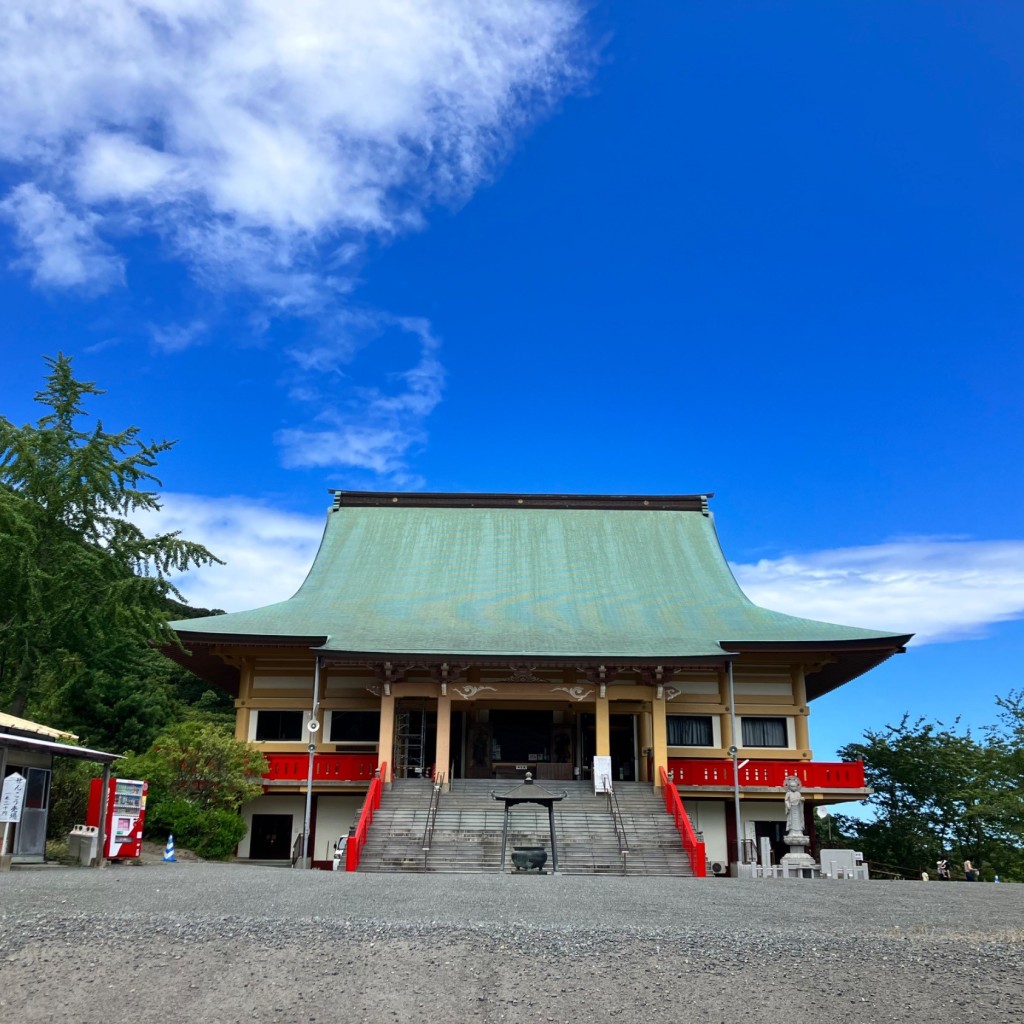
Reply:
x=13, y=798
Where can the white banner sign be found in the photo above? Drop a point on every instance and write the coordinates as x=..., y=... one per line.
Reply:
x=602, y=774
x=13, y=798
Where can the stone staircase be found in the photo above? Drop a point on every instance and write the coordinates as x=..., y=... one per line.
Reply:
x=468, y=827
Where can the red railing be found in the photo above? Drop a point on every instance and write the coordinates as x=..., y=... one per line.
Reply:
x=326, y=767
x=354, y=850
x=674, y=806
x=695, y=771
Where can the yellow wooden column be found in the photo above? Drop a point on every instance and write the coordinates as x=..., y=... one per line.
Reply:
x=442, y=745
x=803, y=739
x=602, y=728
x=646, y=743
x=725, y=719
x=242, y=705
x=386, y=740
x=659, y=738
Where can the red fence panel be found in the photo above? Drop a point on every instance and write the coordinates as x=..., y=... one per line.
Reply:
x=698, y=771
x=326, y=767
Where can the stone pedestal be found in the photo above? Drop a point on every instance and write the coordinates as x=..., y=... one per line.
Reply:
x=798, y=859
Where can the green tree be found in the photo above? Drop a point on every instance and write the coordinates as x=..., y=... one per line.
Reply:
x=199, y=776
x=938, y=792
x=202, y=763
x=85, y=592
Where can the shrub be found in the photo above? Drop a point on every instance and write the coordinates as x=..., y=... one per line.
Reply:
x=211, y=834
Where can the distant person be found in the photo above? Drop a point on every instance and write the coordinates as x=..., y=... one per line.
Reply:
x=969, y=872
x=942, y=870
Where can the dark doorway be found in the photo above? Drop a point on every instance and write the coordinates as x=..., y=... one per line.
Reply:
x=521, y=735
x=415, y=741
x=622, y=740
x=271, y=837
x=773, y=831
x=622, y=743
x=455, y=741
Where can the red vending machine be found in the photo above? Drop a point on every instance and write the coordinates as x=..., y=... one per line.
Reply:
x=126, y=812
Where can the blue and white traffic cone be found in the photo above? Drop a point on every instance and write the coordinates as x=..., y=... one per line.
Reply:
x=169, y=850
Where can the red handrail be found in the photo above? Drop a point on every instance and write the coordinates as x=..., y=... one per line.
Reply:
x=354, y=850
x=674, y=806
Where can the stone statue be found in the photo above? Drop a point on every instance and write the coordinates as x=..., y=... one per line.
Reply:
x=794, y=807
x=798, y=862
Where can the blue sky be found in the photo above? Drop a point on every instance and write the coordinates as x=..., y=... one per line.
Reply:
x=770, y=250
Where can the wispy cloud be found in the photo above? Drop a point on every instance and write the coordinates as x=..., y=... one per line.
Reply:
x=278, y=131
x=375, y=428
x=265, y=145
x=59, y=248
x=940, y=589
x=178, y=337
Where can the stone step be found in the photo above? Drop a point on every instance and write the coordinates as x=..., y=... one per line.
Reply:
x=467, y=832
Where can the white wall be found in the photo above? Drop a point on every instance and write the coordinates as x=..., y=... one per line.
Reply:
x=293, y=804
x=334, y=814
x=709, y=817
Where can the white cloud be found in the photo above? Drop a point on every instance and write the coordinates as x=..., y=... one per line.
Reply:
x=60, y=248
x=270, y=127
x=266, y=145
x=266, y=553
x=939, y=589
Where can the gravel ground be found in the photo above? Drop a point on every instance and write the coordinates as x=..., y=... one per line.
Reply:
x=203, y=942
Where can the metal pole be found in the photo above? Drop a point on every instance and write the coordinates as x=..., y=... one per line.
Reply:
x=504, y=838
x=554, y=845
x=101, y=838
x=307, y=861
x=734, y=751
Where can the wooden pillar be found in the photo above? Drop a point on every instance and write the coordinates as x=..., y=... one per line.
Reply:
x=646, y=743
x=442, y=745
x=245, y=674
x=659, y=737
x=803, y=739
x=602, y=728
x=725, y=719
x=386, y=740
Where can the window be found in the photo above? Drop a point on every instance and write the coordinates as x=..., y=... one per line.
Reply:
x=690, y=731
x=280, y=726
x=765, y=732
x=355, y=726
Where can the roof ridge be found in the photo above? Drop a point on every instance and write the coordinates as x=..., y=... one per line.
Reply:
x=465, y=499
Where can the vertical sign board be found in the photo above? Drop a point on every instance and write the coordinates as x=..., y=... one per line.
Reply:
x=602, y=773
x=13, y=798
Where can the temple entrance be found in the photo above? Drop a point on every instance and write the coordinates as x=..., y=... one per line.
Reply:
x=415, y=740
x=622, y=737
x=508, y=742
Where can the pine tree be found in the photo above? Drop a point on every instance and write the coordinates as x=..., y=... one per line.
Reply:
x=83, y=591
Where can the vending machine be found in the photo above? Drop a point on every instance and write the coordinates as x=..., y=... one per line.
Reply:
x=126, y=812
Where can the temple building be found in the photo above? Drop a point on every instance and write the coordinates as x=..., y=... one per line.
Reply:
x=478, y=636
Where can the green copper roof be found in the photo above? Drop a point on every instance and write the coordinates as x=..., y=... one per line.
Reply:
x=422, y=577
